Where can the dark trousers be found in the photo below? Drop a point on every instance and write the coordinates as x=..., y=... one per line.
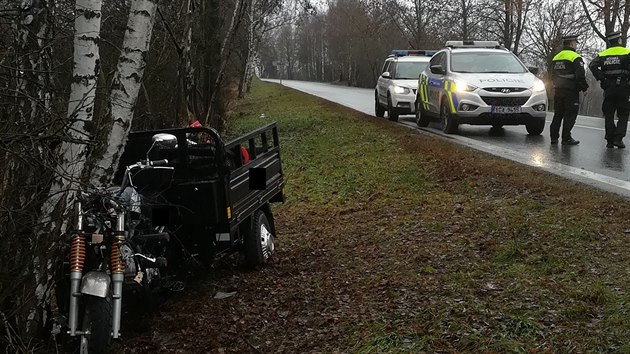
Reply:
x=565, y=105
x=616, y=100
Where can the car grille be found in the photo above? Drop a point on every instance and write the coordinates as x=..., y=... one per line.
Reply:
x=414, y=91
x=504, y=101
x=501, y=89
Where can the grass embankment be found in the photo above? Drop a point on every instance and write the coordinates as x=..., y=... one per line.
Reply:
x=396, y=241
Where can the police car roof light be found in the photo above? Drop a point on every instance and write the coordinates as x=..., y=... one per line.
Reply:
x=405, y=52
x=473, y=44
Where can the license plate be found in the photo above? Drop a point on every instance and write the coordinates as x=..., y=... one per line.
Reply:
x=505, y=109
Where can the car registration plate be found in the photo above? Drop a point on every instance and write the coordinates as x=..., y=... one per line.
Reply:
x=505, y=109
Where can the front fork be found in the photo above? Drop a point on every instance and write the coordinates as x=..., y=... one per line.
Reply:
x=118, y=273
x=77, y=262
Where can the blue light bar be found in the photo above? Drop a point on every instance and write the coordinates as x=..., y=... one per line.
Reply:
x=406, y=52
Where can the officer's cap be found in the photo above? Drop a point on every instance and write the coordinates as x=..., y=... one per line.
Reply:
x=570, y=38
x=613, y=35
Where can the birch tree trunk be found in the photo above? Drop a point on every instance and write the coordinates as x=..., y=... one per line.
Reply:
x=125, y=87
x=249, y=61
x=80, y=104
x=217, y=84
x=73, y=150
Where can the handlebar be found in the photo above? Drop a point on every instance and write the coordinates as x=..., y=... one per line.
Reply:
x=158, y=163
x=149, y=163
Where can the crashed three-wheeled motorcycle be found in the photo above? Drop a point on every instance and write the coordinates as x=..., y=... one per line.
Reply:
x=182, y=196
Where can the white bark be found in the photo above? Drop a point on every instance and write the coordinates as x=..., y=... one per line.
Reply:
x=73, y=149
x=87, y=28
x=249, y=62
x=126, y=85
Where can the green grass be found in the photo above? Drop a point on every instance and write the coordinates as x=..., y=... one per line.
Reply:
x=492, y=237
x=396, y=241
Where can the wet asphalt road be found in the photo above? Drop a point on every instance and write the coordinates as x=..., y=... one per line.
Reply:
x=590, y=162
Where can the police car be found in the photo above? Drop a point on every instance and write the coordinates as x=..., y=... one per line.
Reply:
x=396, y=87
x=480, y=83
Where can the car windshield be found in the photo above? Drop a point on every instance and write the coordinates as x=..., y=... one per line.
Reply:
x=409, y=70
x=486, y=62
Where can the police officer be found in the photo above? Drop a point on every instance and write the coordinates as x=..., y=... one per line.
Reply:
x=612, y=68
x=567, y=73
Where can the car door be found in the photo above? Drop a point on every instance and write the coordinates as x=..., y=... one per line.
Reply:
x=435, y=81
x=383, y=83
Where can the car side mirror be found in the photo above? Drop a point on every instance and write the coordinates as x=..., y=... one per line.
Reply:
x=165, y=140
x=437, y=69
x=386, y=75
x=533, y=70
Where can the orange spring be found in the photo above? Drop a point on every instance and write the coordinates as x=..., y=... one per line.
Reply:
x=77, y=253
x=118, y=266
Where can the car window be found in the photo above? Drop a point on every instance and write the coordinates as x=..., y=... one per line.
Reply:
x=392, y=69
x=386, y=65
x=486, y=62
x=439, y=59
x=409, y=70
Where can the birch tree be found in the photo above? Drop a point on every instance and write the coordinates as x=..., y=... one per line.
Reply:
x=73, y=149
x=125, y=87
x=211, y=116
x=262, y=17
x=250, y=50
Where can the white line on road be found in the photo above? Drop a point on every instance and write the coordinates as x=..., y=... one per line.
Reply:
x=597, y=180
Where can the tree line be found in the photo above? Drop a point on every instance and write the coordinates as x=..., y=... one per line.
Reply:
x=346, y=41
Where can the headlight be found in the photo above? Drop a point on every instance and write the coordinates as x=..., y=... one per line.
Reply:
x=398, y=89
x=461, y=86
x=539, y=86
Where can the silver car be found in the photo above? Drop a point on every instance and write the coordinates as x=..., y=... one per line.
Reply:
x=480, y=83
x=397, y=85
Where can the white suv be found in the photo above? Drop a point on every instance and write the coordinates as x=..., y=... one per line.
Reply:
x=480, y=83
x=396, y=87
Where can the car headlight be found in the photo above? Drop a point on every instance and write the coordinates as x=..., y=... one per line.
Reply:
x=399, y=89
x=461, y=86
x=539, y=86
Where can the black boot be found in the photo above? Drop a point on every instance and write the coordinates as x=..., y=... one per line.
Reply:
x=619, y=143
x=570, y=141
x=609, y=144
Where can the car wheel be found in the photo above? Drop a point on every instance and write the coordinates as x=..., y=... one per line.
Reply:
x=378, y=109
x=535, y=128
x=259, y=244
x=422, y=120
x=391, y=114
x=449, y=126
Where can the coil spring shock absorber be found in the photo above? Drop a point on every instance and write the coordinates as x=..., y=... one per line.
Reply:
x=117, y=263
x=77, y=261
x=77, y=253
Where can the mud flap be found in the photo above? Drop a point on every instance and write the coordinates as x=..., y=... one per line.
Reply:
x=95, y=284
